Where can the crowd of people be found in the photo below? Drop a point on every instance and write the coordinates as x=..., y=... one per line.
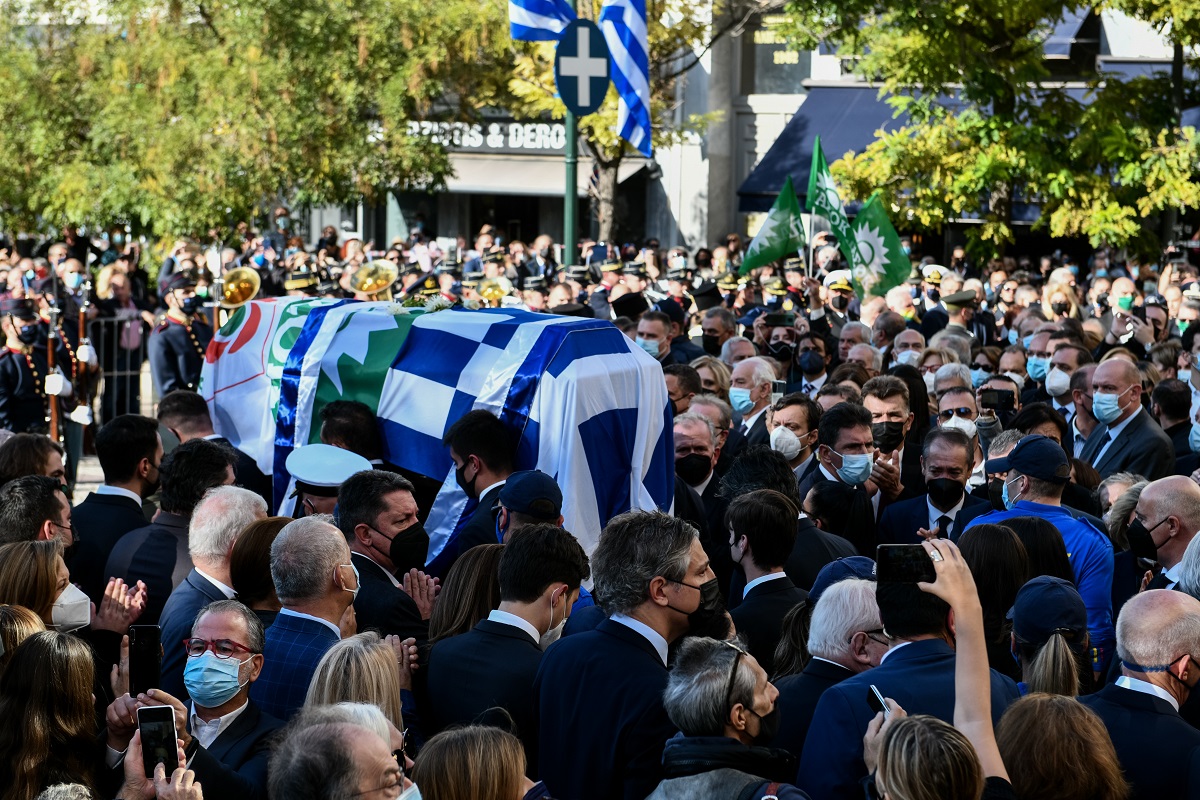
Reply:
x=934, y=545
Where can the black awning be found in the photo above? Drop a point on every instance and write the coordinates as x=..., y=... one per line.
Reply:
x=846, y=118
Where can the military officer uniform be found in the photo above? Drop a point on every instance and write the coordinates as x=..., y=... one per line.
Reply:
x=177, y=347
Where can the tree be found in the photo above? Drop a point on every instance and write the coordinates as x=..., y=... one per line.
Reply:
x=984, y=131
x=679, y=33
x=186, y=115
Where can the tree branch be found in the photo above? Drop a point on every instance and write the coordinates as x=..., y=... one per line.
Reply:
x=208, y=22
x=734, y=27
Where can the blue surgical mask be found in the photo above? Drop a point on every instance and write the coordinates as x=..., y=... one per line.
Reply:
x=856, y=469
x=1037, y=367
x=1009, y=502
x=978, y=377
x=1012, y=336
x=1106, y=407
x=1026, y=341
x=73, y=280
x=740, y=400
x=212, y=681
x=1194, y=438
x=357, y=582
x=649, y=345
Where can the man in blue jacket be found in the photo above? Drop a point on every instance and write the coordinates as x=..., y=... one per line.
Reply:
x=1034, y=474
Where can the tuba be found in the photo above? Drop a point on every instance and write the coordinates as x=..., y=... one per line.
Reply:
x=239, y=286
x=375, y=280
x=493, y=290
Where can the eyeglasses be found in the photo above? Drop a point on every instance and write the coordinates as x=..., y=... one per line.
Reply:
x=738, y=653
x=395, y=781
x=961, y=411
x=871, y=635
x=221, y=648
x=988, y=368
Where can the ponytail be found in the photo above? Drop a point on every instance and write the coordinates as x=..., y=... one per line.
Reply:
x=1054, y=668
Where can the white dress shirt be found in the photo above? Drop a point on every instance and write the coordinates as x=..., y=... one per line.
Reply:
x=505, y=618
x=1133, y=684
x=815, y=383
x=325, y=622
x=935, y=514
x=117, y=491
x=748, y=422
x=770, y=576
x=207, y=732
x=222, y=588
x=651, y=635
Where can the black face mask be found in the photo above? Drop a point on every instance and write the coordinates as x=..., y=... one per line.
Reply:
x=693, y=468
x=811, y=362
x=945, y=492
x=839, y=302
x=996, y=493
x=1060, y=308
x=768, y=726
x=408, y=548
x=1141, y=543
x=934, y=295
x=28, y=334
x=887, y=436
x=711, y=345
x=783, y=352
x=191, y=305
x=709, y=617
x=463, y=483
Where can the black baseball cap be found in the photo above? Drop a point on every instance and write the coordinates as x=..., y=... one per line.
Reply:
x=1047, y=605
x=534, y=493
x=1036, y=456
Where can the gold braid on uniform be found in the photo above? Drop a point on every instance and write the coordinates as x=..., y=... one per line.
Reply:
x=38, y=388
x=195, y=342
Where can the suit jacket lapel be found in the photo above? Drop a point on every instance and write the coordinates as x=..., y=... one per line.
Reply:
x=239, y=729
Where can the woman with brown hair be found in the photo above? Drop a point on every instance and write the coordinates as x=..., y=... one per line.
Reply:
x=472, y=763
x=17, y=624
x=49, y=731
x=1060, y=750
x=470, y=592
x=1000, y=565
x=31, y=454
x=250, y=567
x=33, y=575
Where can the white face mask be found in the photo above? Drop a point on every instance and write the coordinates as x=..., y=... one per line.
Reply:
x=785, y=442
x=411, y=793
x=959, y=424
x=1017, y=379
x=1058, y=383
x=72, y=610
x=555, y=632
x=909, y=357
x=930, y=381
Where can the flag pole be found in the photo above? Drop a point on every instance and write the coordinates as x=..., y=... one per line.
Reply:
x=570, y=201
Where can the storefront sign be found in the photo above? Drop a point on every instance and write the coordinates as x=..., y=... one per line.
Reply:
x=494, y=137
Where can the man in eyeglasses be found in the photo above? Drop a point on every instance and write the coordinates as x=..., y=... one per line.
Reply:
x=957, y=409
x=226, y=736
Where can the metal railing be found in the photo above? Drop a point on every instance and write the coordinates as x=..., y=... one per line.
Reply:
x=125, y=388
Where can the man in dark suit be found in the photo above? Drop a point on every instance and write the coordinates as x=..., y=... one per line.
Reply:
x=599, y=694
x=471, y=677
x=1127, y=438
x=886, y=397
x=130, y=452
x=316, y=582
x=917, y=672
x=763, y=468
x=378, y=516
x=1165, y=520
x=762, y=538
x=226, y=736
x=1159, y=752
x=695, y=461
x=1170, y=403
x=845, y=637
x=750, y=394
x=218, y=519
x=946, y=506
x=481, y=448
x=186, y=415
x=158, y=553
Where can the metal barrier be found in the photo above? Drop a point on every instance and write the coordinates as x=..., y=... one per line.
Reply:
x=125, y=389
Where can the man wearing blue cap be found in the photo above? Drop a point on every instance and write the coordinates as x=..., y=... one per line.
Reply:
x=528, y=497
x=1034, y=474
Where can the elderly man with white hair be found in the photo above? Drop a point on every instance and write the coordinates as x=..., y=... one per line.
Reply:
x=750, y=394
x=220, y=516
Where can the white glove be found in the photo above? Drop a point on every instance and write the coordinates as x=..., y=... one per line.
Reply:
x=86, y=354
x=57, y=385
x=81, y=415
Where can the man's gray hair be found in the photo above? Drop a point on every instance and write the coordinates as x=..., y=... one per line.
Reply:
x=303, y=557
x=698, y=697
x=1155, y=628
x=693, y=418
x=65, y=791
x=220, y=517
x=845, y=608
x=727, y=348
x=876, y=354
x=763, y=371
x=634, y=548
x=723, y=408
x=949, y=340
x=314, y=762
x=952, y=372
x=864, y=330
x=728, y=320
x=255, y=634
x=1189, y=569
x=1004, y=442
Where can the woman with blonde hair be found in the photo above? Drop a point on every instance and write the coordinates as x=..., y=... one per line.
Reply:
x=17, y=624
x=714, y=376
x=364, y=669
x=472, y=763
x=32, y=575
x=1061, y=751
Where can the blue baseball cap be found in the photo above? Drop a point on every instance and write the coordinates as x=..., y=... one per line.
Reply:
x=1047, y=605
x=840, y=570
x=534, y=493
x=1036, y=456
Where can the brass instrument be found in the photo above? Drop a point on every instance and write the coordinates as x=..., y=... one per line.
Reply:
x=375, y=280
x=493, y=290
x=239, y=286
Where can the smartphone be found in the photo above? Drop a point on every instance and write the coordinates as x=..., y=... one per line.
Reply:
x=903, y=563
x=157, y=724
x=780, y=319
x=145, y=658
x=876, y=702
x=998, y=399
x=778, y=389
x=599, y=253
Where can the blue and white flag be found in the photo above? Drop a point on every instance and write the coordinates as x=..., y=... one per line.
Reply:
x=538, y=20
x=584, y=403
x=624, y=25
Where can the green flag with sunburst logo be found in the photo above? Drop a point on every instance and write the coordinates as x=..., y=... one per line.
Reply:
x=881, y=263
x=824, y=199
x=781, y=234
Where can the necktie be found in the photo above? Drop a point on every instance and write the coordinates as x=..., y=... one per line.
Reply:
x=809, y=388
x=944, y=527
x=1159, y=581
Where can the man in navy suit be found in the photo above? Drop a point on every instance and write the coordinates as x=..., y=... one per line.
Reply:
x=845, y=637
x=158, y=553
x=696, y=455
x=226, y=736
x=316, y=583
x=763, y=531
x=750, y=394
x=887, y=398
x=1158, y=642
x=1127, y=438
x=377, y=513
x=218, y=519
x=917, y=672
x=476, y=676
x=130, y=452
x=599, y=694
x=946, y=507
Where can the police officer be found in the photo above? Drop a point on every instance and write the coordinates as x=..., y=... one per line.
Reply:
x=23, y=371
x=319, y=471
x=178, y=342
x=600, y=298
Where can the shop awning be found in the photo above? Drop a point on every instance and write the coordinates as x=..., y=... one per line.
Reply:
x=542, y=176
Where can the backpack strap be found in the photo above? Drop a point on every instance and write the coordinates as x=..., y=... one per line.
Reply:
x=771, y=792
x=751, y=790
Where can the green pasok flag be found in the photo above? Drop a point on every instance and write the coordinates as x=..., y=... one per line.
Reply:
x=881, y=262
x=781, y=234
x=823, y=199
